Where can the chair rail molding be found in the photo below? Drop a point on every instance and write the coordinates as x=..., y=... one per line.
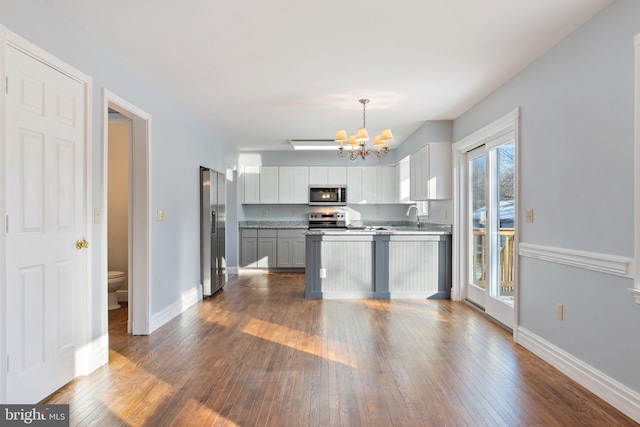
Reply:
x=603, y=263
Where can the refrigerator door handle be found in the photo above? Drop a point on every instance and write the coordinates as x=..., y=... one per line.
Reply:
x=214, y=222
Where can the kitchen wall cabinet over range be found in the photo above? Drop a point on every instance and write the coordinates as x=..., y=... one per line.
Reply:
x=430, y=172
x=327, y=175
x=272, y=248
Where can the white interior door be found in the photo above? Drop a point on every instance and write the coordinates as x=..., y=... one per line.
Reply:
x=46, y=205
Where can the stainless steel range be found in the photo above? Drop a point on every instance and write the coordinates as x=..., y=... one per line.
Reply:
x=328, y=220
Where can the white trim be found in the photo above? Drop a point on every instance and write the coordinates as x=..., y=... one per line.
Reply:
x=613, y=392
x=140, y=269
x=187, y=299
x=636, y=163
x=636, y=294
x=509, y=123
x=603, y=263
x=3, y=288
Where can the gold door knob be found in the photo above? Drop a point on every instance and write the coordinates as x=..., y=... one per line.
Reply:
x=80, y=244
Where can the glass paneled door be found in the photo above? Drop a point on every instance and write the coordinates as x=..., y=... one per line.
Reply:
x=491, y=218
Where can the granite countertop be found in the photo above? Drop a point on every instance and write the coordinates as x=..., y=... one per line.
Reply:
x=274, y=224
x=433, y=229
x=356, y=227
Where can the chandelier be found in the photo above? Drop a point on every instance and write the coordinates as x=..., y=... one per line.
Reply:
x=358, y=141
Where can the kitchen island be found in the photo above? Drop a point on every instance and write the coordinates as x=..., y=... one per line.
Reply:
x=370, y=262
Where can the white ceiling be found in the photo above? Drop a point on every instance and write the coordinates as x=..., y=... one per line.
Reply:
x=263, y=72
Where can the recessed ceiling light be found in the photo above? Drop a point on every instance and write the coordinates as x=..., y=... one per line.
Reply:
x=313, y=144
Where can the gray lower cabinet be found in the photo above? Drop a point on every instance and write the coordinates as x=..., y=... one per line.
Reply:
x=248, y=247
x=272, y=248
x=291, y=245
x=267, y=248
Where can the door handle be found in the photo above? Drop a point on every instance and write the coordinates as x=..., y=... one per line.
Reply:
x=80, y=244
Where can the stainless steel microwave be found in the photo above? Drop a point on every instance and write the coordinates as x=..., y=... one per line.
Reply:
x=327, y=195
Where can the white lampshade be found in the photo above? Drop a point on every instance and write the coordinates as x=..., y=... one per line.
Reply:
x=362, y=135
x=352, y=141
x=386, y=135
x=376, y=141
x=341, y=136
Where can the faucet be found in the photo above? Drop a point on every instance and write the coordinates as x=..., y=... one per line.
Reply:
x=417, y=214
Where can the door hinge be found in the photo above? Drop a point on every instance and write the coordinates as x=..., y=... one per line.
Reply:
x=6, y=224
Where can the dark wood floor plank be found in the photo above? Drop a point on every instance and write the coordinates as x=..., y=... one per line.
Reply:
x=259, y=354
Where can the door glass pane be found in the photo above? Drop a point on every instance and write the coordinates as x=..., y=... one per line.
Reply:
x=478, y=220
x=505, y=170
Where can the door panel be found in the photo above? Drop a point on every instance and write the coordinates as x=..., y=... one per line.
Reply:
x=491, y=218
x=46, y=201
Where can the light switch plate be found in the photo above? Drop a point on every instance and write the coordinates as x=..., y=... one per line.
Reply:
x=160, y=215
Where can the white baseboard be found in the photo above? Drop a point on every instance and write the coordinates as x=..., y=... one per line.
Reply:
x=187, y=299
x=615, y=393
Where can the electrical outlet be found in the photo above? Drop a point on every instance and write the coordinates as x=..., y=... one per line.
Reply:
x=96, y=216
x=323, y=273
x=293, y=212
x=377, y=214
x=160, y=215
x=159, y=284
x=529, y=215
x=559, y=311
x=265, y=213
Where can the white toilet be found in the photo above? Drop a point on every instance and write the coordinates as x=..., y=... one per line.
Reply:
x=116, y=280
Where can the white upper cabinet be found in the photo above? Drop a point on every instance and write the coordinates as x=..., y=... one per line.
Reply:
x=293, y=184
x=371, y=184
x=268, y=184
x=404, y=178
x=430, y=172
x=327, y=175
x=387, y=184
x=251, y=184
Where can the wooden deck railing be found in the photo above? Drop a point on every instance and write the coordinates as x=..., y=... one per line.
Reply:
x=507, y=259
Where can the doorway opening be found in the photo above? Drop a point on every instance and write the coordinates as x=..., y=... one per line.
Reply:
x=137, y=212
x=118, y=225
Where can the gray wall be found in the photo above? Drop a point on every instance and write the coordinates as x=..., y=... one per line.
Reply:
x=180, y=143
x=576, y=171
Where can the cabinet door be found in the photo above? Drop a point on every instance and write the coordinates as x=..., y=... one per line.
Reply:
x=354, y=185
x=337, y=175
x=269, y=184
x=299, y=247
x=301, y=184
x=419, y=165
x=439, y=181
x=387, y=184
x=285, y=252
x=267, y=252
x=369, y=185
x=249, y=251
x=317, y=175
x=251, y=184
x=285, y=184
x=404, y=181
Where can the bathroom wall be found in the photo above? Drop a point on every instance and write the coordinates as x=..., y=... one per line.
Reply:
x=118, y=195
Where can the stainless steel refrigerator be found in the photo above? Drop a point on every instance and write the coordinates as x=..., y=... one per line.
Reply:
x=213, y=263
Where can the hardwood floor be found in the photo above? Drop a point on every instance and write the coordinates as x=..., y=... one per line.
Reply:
x=259, y=354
